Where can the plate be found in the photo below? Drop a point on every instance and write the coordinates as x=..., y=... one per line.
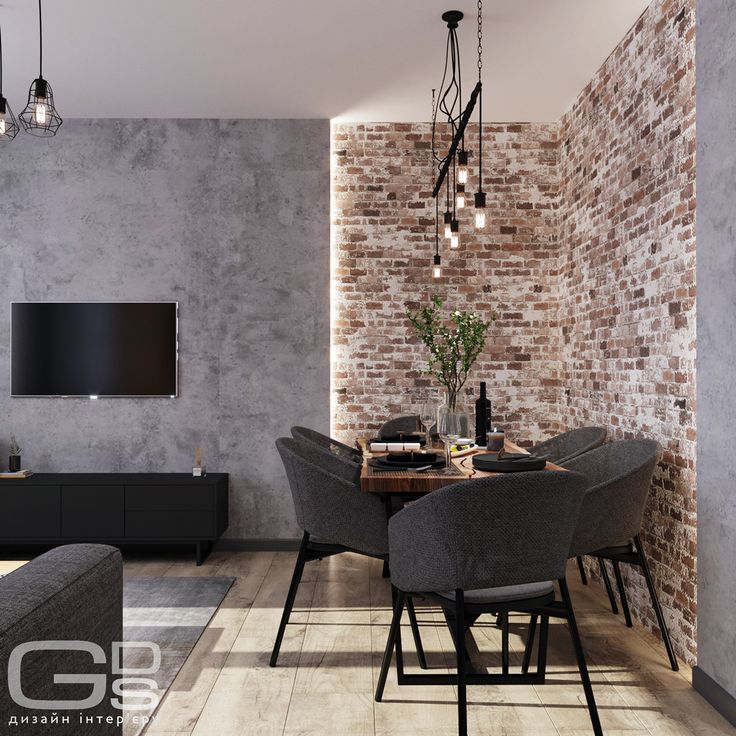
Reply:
x=420, y=438
x=405, y=458
x=509, y=462
x=380, y=463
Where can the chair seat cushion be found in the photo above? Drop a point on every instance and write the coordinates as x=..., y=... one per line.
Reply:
x=505, y=593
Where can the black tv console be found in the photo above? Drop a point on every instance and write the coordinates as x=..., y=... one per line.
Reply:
x=115, y=508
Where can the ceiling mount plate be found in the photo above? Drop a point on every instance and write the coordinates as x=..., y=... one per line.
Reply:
x=452, y=17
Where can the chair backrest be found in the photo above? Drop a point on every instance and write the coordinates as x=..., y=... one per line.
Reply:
x=327, y=443
x=328, y=501
x=566, y=446
x=409, y=424
x=503, y=530
x=619, y=476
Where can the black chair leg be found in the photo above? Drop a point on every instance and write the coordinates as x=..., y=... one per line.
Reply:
x=415, y=632
x=622, y=592
x=607, y=583
x=290, y=596
x=580, y=655
x=505, y=643
x=393, y=637
x=581, y=567
x=385, y=572
x=543, y=642
x=462, y=705
x=526, y=661
x=655, y=603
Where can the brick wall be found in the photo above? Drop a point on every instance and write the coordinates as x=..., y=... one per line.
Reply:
x=383, y=218
x=587, y=261
x=627, y=283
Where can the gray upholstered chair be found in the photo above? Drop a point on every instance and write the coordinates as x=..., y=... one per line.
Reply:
x=568, y=445
x=491, y=545
x=619, y=477
x=409, y=424
x=327, y=443
x=334, y=515
x=564, y=447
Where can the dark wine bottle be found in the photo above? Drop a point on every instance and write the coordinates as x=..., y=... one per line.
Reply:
x=482, y=416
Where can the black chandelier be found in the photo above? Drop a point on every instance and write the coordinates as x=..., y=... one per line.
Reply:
x=452, y=168
x=40, y=117
x=8, y=124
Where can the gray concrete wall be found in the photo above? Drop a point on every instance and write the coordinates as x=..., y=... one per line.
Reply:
x=716, y=365
x=230, y=218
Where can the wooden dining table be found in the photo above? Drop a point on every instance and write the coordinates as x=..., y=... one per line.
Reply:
x=408, y=482
x=400, y=486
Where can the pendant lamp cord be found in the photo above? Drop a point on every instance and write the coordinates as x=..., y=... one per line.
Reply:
x=480, y=96
x=40, y=41
x=1, y=61
x=436, y=199
x=436, y=226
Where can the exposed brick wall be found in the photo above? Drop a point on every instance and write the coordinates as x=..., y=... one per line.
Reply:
x=384, y=241
x=587, y=261
x=627, y=235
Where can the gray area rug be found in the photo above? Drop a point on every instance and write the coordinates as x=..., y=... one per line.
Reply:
x=173, y=613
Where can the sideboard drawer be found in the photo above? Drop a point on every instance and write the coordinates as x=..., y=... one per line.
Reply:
x=169, y=524
x=164, y=498
x=29, y=512
x=91, y=512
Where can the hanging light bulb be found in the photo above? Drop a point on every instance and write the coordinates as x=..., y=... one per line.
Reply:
x=437, y=267
x=480, y=210
x=41, y=111
x=448, y=224
x=455, y=237
x=460, y=197
x=8, y=125
x=40, y=117
x=462, y=169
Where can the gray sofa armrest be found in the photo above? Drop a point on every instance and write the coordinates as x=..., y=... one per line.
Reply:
x=72, y=593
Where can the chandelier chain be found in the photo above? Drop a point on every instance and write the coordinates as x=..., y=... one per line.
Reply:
x=480, y=37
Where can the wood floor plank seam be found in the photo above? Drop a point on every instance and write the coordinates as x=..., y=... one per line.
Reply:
x=299, y=659
x=323, y=689
x=250, y=607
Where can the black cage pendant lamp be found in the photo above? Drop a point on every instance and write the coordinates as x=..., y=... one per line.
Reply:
x=8, y=124
x=40, y=117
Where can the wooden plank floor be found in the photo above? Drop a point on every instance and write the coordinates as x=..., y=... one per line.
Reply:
x=332, y=651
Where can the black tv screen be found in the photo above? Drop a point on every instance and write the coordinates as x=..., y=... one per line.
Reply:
x=93, y=349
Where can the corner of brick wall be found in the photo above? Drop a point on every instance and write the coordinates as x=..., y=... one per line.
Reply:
x=588, y=263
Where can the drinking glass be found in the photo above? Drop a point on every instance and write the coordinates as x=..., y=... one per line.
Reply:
x=428, y=417
x=448, y=428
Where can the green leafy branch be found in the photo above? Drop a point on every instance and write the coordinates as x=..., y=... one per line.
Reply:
x=454, y=343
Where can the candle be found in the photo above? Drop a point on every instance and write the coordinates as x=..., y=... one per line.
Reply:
x=495, y=440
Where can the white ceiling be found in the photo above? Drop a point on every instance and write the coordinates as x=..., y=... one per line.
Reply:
x=369, y=60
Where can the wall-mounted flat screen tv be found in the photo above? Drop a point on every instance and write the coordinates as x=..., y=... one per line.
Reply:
x=93, y=349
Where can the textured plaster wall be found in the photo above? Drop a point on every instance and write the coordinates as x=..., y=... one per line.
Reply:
x=230, y=218
x=716, y=268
